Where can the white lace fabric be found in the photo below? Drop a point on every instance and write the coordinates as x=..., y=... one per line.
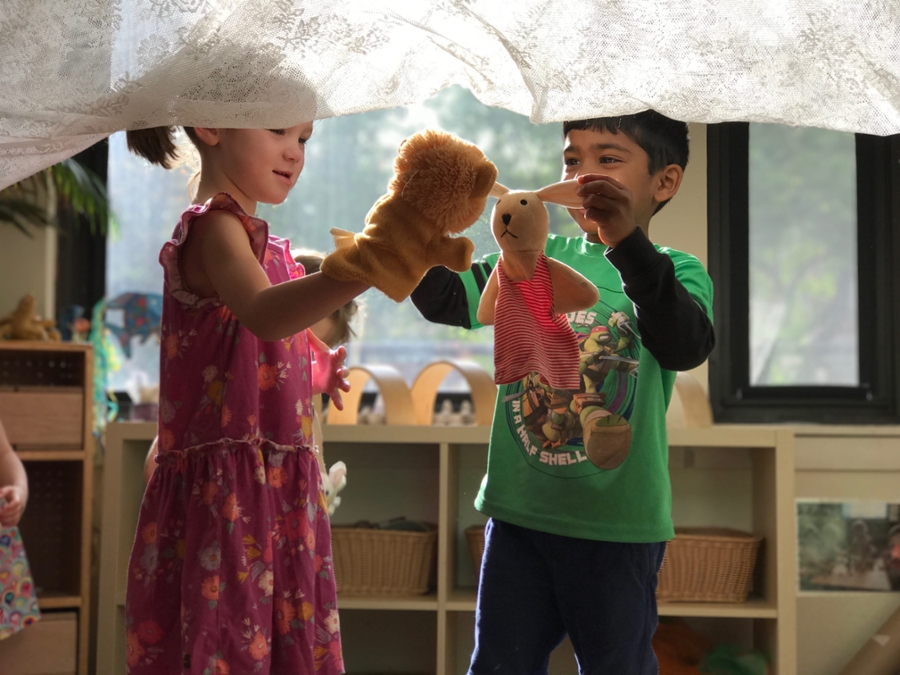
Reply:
x=75, y=71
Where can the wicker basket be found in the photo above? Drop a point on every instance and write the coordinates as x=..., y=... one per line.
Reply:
x=708, y=565
x=475, y=539
x=369, y=561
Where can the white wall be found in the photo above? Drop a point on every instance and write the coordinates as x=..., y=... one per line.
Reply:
x=682, y=223
x=28, y=266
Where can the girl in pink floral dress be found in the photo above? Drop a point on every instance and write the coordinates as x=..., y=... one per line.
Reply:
x=231, y=568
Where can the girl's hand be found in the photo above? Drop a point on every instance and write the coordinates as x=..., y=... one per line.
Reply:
x=13, y=500
x=329, y=373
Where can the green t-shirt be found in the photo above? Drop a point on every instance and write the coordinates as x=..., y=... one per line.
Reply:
x=540, y=473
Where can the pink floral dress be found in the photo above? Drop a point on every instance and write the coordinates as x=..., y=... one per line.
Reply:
x=231, y=570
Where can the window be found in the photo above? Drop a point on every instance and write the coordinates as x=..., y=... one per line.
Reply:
x=349, y=163
x=803, y=240
x=803, y=258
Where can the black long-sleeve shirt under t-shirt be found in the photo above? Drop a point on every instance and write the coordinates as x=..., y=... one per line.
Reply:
x=670, y=291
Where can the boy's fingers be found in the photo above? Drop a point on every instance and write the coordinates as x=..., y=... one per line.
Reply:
x=601, y=203
x=603, y=217
x=601, y=187
x=584, y=179
x=596, y=215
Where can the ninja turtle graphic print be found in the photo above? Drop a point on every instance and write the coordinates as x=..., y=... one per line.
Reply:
x=565, y=427
x=592, y=462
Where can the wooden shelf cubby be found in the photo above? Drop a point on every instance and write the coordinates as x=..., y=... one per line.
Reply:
x=46, y=403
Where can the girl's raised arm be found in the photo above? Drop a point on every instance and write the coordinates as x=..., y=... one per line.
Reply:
x=219, y=250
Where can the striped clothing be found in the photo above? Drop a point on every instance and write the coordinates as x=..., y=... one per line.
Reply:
x=528, y=336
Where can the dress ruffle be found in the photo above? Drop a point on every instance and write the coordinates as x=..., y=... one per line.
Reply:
x=256, y=228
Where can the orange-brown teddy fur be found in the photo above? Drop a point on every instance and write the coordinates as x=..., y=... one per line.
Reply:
x=440, y=187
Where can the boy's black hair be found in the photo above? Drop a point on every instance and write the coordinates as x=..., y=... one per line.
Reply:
x=663, y=139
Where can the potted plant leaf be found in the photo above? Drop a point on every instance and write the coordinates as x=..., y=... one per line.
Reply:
x=71, y=184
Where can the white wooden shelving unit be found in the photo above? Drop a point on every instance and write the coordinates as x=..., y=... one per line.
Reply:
x=432, y=474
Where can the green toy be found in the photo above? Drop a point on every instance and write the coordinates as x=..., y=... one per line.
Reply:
x=731, y=660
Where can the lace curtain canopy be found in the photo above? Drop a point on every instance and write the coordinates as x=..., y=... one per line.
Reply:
x=75, y=71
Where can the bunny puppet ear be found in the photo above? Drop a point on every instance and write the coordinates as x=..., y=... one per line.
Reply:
x=498, y=190
x=564, y=194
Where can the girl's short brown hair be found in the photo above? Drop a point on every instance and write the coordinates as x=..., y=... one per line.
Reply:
x=342, y=316
x=157, y=144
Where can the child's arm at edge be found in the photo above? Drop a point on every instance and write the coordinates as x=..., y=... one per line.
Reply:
x=674, y=326
x=13, y=483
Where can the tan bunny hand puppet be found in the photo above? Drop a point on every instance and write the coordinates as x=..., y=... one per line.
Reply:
x=440, y=187
x=528, y=294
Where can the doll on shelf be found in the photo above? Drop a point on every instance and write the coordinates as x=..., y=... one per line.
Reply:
x=18, y=602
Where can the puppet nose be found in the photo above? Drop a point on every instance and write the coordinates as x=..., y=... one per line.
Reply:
x=506, y=218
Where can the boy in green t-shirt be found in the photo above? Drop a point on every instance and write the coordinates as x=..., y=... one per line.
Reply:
x=577, y=486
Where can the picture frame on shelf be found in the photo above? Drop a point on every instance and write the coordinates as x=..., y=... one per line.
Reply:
x=851, y=545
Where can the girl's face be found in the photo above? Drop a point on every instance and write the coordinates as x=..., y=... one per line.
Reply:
x=262, y=164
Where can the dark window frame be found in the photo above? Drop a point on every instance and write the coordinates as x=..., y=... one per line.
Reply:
x=733, y=398
x=81, y=254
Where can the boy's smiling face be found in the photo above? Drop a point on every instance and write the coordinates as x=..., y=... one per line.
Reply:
x=586, y=151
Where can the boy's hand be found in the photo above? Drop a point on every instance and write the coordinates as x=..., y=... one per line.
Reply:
x=329, y=373
x=13, y=500
x=607, y=202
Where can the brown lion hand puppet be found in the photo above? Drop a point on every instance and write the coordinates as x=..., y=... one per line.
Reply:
x=440, y=187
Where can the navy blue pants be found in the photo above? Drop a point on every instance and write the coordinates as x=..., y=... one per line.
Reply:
x=536, y=588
